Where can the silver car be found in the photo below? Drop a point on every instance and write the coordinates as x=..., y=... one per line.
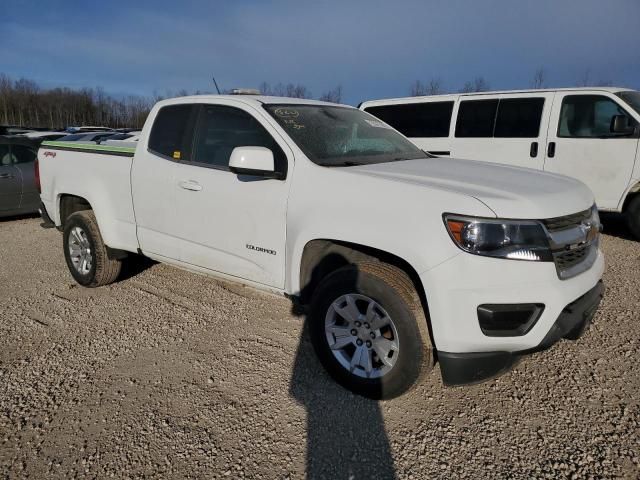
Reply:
x=18, y=190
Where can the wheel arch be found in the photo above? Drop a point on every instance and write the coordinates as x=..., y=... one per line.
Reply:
x=69, y=204
x=632, y=193
x=320, y=257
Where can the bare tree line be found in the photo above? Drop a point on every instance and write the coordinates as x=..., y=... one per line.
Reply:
x=299, y=91
x=435, y=85
x=24, y=103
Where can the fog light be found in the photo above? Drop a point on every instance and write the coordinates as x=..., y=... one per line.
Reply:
x=508, y=320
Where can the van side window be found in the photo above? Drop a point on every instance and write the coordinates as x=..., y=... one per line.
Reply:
x=588, y=116
x=220, y=129
x=519, y=118
x=428, y=119
x=476, y=118
x=172, y=131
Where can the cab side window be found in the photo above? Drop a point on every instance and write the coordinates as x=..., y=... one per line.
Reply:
x=220, y=129
x=172, y=132
x=588, y=116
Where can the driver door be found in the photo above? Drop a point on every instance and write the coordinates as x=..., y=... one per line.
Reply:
x=581, y=145
x=229, y=223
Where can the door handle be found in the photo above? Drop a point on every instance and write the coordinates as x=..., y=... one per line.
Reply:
x=190, y=185
x=533, y=151
x=551, y=150
x=6, y=175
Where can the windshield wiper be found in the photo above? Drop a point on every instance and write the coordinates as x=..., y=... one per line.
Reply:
x=346, y=163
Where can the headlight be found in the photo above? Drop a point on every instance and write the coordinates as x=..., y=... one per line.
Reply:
x=512, y=239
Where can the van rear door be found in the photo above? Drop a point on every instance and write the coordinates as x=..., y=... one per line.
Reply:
x=581, y=144
x=503, y=128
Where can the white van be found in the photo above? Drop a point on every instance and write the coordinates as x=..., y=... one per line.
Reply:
x=587, y=133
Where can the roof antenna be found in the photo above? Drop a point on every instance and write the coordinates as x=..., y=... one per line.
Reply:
x=216, y=84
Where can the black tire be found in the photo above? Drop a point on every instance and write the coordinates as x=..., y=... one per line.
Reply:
x=103, y=270
x=632, y=214
x=393, y=290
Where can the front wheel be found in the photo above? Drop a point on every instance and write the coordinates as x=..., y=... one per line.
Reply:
x=368, y=330
x=85, y=252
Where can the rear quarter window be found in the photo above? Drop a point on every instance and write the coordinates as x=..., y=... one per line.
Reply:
x=23, y=154
x=172, y=132
x=5, y=157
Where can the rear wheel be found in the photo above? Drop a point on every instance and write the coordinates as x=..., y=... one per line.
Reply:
x=633, y=216
x=369, y=331
x=85, y=252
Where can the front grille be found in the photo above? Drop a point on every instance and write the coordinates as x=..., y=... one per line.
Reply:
x=574, y=242
x=568, y=221
x=570, y=258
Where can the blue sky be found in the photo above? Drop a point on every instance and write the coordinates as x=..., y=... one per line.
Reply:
x=374, y=49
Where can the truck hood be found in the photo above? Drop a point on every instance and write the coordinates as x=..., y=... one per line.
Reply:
x=511, y=192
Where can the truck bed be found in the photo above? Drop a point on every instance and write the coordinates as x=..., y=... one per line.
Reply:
x=101, y=175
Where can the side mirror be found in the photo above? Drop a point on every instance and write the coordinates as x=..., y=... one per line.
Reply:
x=255, y=161
x=620, y=125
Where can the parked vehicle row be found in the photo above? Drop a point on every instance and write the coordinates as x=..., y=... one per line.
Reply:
x=44, y=135
x=400, y=257
x=18, y=190
x=74, y=134
x=590, y=134
x=99, y=137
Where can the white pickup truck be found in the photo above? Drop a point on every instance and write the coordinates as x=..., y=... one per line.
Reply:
x=402, y=259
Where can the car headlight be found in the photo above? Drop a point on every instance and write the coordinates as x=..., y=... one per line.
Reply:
x=511, y=239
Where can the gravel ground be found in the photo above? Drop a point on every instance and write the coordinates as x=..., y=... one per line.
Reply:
x=172, y=374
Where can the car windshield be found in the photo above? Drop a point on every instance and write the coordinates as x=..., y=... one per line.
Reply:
x=632, y=98
x=341, y=136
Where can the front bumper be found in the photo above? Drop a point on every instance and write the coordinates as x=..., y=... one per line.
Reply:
x=474, y=367
x=457, y=287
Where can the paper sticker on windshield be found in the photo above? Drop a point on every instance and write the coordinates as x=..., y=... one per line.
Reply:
x=286, y=112
x=176, y=155
x=377, y=123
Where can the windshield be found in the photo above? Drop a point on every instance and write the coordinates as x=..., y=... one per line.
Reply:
x=632, y=98
x=340, y=136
